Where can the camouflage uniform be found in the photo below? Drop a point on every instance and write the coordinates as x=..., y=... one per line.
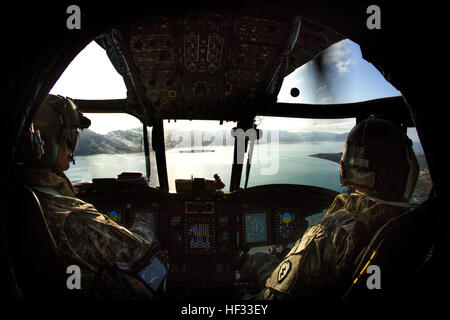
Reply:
x=84, y=236
x=321, y=263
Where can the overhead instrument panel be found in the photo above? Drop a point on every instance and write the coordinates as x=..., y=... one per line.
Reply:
x=210, y=65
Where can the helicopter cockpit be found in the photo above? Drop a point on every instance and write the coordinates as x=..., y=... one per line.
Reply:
x=226, y=67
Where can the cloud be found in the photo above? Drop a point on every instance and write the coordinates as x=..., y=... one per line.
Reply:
x=336, y=52
x=299, y=80
x=322, y=87
x=338, y=55
x=343, y=66
x=325, y=100
x=331, y=125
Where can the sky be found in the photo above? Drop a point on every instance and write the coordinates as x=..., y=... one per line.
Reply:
x=348, y=78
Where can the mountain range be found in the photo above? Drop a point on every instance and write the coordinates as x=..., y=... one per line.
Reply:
x=131, y=141
x=123, y=141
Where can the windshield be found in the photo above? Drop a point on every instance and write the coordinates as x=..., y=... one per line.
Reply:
x=308, y=151
x=106, y=154
x=299, y=151
x=289, y=151
x=198, y=149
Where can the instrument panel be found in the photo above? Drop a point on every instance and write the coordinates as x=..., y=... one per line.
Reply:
x=205, y=233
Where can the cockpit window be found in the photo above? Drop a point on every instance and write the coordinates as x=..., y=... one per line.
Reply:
x=105, y=153
x=114, y=142
x=198, y=149
x=299, y=151
x=424, y=183
x=345, y=78
x=91, y=76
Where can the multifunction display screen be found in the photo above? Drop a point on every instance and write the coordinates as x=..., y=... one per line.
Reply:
x=199, y=236
x=255, y=227
x=287, y=225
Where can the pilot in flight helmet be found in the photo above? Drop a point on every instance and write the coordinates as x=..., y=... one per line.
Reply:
x=378, y=158
x=57, y=121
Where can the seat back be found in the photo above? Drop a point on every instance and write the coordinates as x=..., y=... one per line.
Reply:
x=38, y=269
x=401, y=250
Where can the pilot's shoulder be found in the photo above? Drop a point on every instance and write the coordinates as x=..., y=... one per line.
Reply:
x=65, y=205
x=316, y=232
x=338, y=218
x=326, y=230
x=343, y=211
x=339, y=202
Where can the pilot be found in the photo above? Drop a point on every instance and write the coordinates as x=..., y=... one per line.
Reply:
x=380, y=169
x=83, y=236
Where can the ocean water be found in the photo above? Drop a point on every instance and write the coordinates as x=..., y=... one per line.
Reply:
x=271, y=163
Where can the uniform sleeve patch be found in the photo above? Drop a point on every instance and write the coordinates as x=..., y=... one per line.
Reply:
x=285, y=276
x=284, y=270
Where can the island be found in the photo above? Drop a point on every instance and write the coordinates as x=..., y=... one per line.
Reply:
x=195, y=151
x=335, y=157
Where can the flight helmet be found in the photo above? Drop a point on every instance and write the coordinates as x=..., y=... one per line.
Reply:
x=378, y=157
x=57, y=121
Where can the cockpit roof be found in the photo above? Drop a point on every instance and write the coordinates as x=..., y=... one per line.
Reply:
x=219, y=65
x=209, y=65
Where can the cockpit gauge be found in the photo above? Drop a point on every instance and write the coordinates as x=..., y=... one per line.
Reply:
x=256, y=227
x=289, y=225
